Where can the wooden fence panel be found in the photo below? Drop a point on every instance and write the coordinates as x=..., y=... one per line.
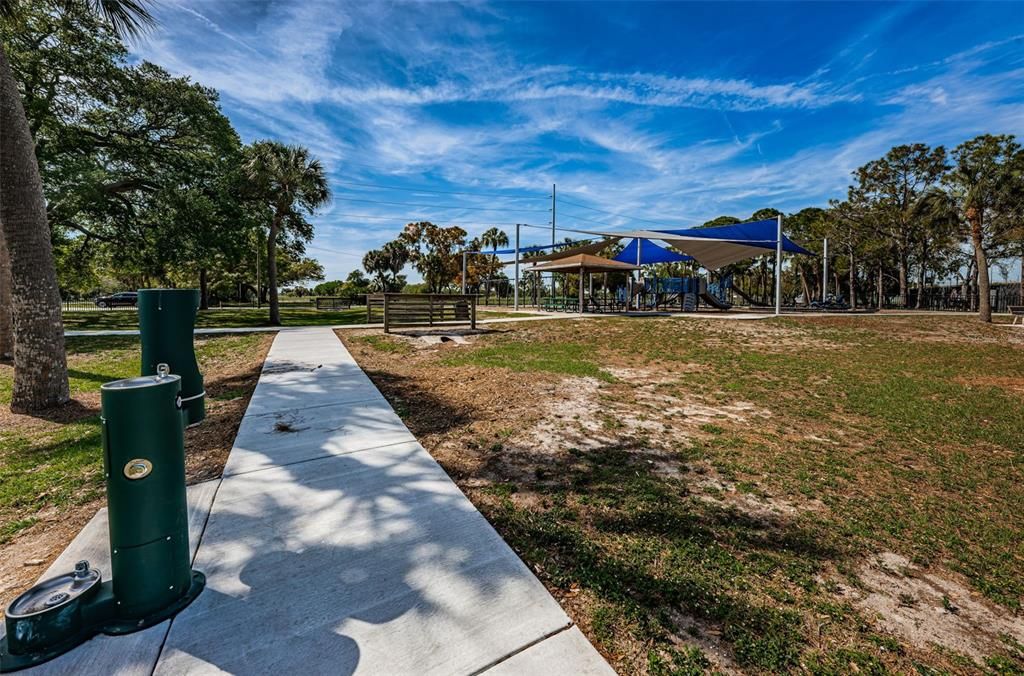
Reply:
x=423, y=309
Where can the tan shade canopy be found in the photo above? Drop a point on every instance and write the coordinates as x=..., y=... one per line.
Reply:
x=591, y=248
x=584, y=262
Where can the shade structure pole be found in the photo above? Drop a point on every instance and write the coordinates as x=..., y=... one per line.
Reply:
x=778, y=267
x=579, y=283
x=463, y=273
x=824, y=272
x=515, y=292
x=639, y=243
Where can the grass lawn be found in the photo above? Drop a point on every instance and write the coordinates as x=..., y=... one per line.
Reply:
x=51, y=467
x=111, y=320
x=830, y=495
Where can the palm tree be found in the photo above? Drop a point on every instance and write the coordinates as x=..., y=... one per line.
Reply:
x=292, y=184
x=40, y=363
x=493, y=237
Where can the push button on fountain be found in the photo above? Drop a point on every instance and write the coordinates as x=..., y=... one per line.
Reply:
x=138, y=468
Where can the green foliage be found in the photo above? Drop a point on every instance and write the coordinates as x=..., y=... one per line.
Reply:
x=385, y=264
x=434, y=252
x=141, y=171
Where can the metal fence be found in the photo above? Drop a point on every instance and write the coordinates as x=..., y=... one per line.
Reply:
x=310, y=302
x=952, y=298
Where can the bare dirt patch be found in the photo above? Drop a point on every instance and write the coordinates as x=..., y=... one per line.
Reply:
x=928, y=608
x=425, y=338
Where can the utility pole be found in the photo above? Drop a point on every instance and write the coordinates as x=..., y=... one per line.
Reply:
x=553, y=206
x=463, y=272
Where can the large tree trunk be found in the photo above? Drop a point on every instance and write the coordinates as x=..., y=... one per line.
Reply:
x=881, y=288
x=6, y=323
x=275, y=310
x=40, y=364
x=984, y=301
x=903, y=278
x=853, y=282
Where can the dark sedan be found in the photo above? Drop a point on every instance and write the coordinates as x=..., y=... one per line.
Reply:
x=122, y=299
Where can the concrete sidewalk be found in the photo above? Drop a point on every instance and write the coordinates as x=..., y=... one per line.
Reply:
x=336, y=544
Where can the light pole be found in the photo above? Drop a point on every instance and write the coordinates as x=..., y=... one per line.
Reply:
x=778, y=267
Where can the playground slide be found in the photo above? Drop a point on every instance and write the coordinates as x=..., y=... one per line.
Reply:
x=714, y=301
x=742, y=294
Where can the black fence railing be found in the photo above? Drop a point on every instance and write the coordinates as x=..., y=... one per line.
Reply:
x=953, y=298
x=310, y=302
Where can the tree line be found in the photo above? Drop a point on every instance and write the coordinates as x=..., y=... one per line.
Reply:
x=116, y=174
x=916, y=215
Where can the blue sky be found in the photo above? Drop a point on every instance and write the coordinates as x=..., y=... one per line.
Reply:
x=671, y=112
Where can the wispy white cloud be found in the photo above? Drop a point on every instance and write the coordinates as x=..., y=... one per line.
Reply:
x=432, y=95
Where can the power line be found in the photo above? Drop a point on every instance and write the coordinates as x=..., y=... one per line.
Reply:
x=323, y=248
x=588, y=220
x=443, y=192
x=407, y=219
x=610, y=213
x=441, y=206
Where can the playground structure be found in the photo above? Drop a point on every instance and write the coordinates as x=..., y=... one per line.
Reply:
x=631, y=276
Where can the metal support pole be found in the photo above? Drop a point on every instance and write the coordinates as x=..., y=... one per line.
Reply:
x=778, y=267
x=515, y=292
x=824, y=272
x=579, y=284
x=638, y=259
x=463, y=272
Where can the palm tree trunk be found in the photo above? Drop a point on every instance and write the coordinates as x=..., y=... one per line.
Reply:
x=40, y=364
x=275, y=310
x=984, y=302
x=6, y=325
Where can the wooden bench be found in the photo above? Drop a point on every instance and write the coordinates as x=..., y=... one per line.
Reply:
x=1018, y=314
x=426, y=309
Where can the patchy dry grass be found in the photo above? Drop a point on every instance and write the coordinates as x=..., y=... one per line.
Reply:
x=51, y=478
x=711, y=495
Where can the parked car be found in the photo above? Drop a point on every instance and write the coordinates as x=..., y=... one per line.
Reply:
x=122, y=299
